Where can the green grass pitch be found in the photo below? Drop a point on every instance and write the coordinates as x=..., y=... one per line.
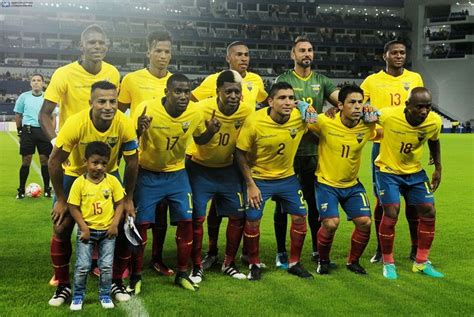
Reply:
x=25, y=232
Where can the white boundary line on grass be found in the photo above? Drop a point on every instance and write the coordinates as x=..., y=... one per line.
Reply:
x=33, y=163
x=134, y=307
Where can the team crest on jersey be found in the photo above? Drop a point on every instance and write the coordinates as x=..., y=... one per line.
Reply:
x=360, y=137
x=237, y=124
x=112, y=140
x=249, y=86
x=421, y=136
x=406, y=85
x=185, y=126
x=324, y=207
x=293, y=132
x=106, y=193
x=316, y=87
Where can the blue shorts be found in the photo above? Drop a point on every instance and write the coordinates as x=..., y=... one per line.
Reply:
x=287, y=191
x=375, y=153
x=225, y=184
x=353, y=201
x=153, y=187
x=414, y=187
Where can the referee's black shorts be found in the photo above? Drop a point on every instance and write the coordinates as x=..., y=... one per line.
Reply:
x=31, y=138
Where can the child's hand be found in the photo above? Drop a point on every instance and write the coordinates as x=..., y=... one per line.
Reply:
x=85, y=235
x=112, y=232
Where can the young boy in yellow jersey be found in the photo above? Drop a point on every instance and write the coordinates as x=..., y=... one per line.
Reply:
x=265, y=153
x=96, y=204
x=341, y=141
x=101, y=123
x=166, y=127
x=147, y=84
x=213, y=174
x=399, y=171
x=390, y=87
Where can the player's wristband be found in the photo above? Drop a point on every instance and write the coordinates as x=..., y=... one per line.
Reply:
x=53, y=141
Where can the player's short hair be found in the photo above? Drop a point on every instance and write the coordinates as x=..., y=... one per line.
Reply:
x=300, y=39
x=93, y=28
x=236, y=43
x=416, y=91
x=348, y=89
x=176, y=77
x=38, y=74
x=278, y=86
x=387, y=45
x=103, y=84
x=228, y=76
x=97, y=148
x=162, y=35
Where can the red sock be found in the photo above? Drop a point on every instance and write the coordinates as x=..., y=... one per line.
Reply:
x=184, y=242
x=213, y=224
x=359, y=241
x=122, y=255
x=387, y=237
x=159, y=231
x=137, y=258
x=324, y=243
x=297, y=235
x=235, y=229
x=61, y=255
x=412, y=218
x=378, y=212
x=197, y=241
x=251, y=242
x=426, y=232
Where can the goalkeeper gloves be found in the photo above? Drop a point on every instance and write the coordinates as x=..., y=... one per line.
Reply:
x=308, y=114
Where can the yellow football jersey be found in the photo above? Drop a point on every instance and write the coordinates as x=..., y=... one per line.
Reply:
x=219, y=152
x=141, y=85
x=271, y=147
x=70, y=87
x=163, y=145
x=96, y=201
x=79, y=130
x=402, y=144
x=340, y=150
x=253, y=90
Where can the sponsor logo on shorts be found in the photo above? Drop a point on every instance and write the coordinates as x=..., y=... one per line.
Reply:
x=324, y=207
x=382, y=192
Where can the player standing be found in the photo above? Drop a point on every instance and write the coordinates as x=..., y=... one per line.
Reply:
x=266, y=150
x=399, y=170
x=391, y=87
x=313, y=88
x=27, y=109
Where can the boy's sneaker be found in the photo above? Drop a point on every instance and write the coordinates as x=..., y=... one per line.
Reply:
x=105, y=301
x=299, y=271
x=426, y=269
x=233, y=271
x=76, y=303
x=356, y=267
x=281, y=261
x=161, y=268
x=255, y=272
x=196, y=275
x=62, y=295
x=390, y=271
x=47, y=192
x=135, y=286
x=119, y=292
x=208, y=261
x=182, y=279
x=20, y=193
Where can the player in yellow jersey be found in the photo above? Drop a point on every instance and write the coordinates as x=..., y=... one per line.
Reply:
x=390, y=87
x=166, y=127
x=399, y=171
x=341, y=141
x=265, y=153
x=101, y=123
x=253, y=92
x=213, y=174
x=147, y=84
x=96, y=204
x=71, y=84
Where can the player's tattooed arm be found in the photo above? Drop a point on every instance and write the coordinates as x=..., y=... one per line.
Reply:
x=254, y=196
x=435, y=151
x=213, y=126
x=57, y=157
x=46, y=119
x=77, y=215
x=130, y=180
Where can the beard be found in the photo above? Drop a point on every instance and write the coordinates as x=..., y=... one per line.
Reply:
x=305, y=63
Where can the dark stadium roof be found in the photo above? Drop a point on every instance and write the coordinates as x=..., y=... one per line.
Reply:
x=384, y=3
